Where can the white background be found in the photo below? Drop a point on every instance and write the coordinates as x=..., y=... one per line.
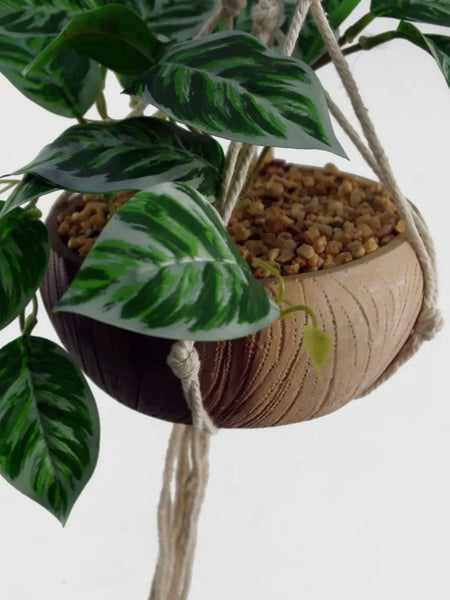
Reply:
x=352, y=506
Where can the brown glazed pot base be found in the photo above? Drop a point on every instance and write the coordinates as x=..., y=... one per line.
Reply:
x=368, y=309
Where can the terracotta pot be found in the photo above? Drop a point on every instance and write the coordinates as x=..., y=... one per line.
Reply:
x=368, y=308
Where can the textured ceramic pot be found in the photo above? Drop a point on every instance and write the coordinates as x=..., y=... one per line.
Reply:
x=368, y=308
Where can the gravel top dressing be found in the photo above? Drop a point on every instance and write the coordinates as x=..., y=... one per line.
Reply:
x=297, y=219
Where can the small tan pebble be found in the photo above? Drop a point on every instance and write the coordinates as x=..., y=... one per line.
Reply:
x=313, y=261
x=86, y=247
x=385, y=229
x=320, y=262
x=333, y=247
x=274, y=188
x=76, y=242
x=325, y=230
x=314, y=232
x=338, y=234
x=306, y=251
x=364, y=229
x=337, y=207
x=256, y=247
x=346, y=187
x=308, y=181
x=239, y=232
x=386, y=239
x=291, y=269
x=245, y=252
x=287, y=243
x=357, y=249
x=343, y=258
x=255, y=208
x=328, y=261
x=273, y=254
x=364, y=218
x=261, y=273
x=260, y=221
x=269, y=239
x=285, y=255
x=297, y=211
x=375, y=222
x=355, y=197
x=331, y=169
x=273, y=214
x=400, y=226
x=370, y=245
x=320, y=244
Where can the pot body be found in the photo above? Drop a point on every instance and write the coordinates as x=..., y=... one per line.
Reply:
x=368, y=308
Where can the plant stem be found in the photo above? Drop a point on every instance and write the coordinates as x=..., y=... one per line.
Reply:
x=27, y=324
x=109, y=199
x=355, y=29
x=288, y=311
x=9, y=183
x=102, y=109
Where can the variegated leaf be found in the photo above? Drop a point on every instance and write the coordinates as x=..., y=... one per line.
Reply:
x=69, y=84
x=113, y=35
x=24, y=250
x=210, y=84
x=49, y=425
x=436, y=45
x=130, y=154
x=29, y=188
x=436, y=12
x=177, y=19
x=165, y=266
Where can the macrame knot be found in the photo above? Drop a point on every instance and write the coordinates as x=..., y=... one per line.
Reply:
x=267, y=18
x=184, y=361
x=231, y=8
x=429, y=323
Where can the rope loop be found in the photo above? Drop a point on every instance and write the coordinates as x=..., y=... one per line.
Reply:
x=184, y=361
x=267, y=18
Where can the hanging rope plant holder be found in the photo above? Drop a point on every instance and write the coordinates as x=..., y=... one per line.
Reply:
x=265, y=379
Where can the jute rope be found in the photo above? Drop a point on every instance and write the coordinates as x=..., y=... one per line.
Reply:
x=429, y=321
x=186, y=468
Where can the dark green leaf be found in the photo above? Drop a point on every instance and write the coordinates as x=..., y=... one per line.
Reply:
x=210, y=84
x=436, y=12
x=69, y=84
x=130, y=154
x=29, y=188
x=24, y=250
x=436, y=45
x=165, y=266
x=113, y=35
x=49, y=426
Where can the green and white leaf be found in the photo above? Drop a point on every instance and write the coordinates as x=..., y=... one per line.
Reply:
x=317, y=346
x=49, y=425
x=436, y=12
x=113, y=35
x=24, y=251
x=29, y=188
x=131, y=154
x=178, y=20
x=69, y=84
x=165, y=266
x=210, y=84
x=436, y=45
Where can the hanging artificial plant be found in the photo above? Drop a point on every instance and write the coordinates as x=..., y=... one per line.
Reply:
x=164, y=265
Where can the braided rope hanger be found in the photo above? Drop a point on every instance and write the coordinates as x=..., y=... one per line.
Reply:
x=186, y=468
